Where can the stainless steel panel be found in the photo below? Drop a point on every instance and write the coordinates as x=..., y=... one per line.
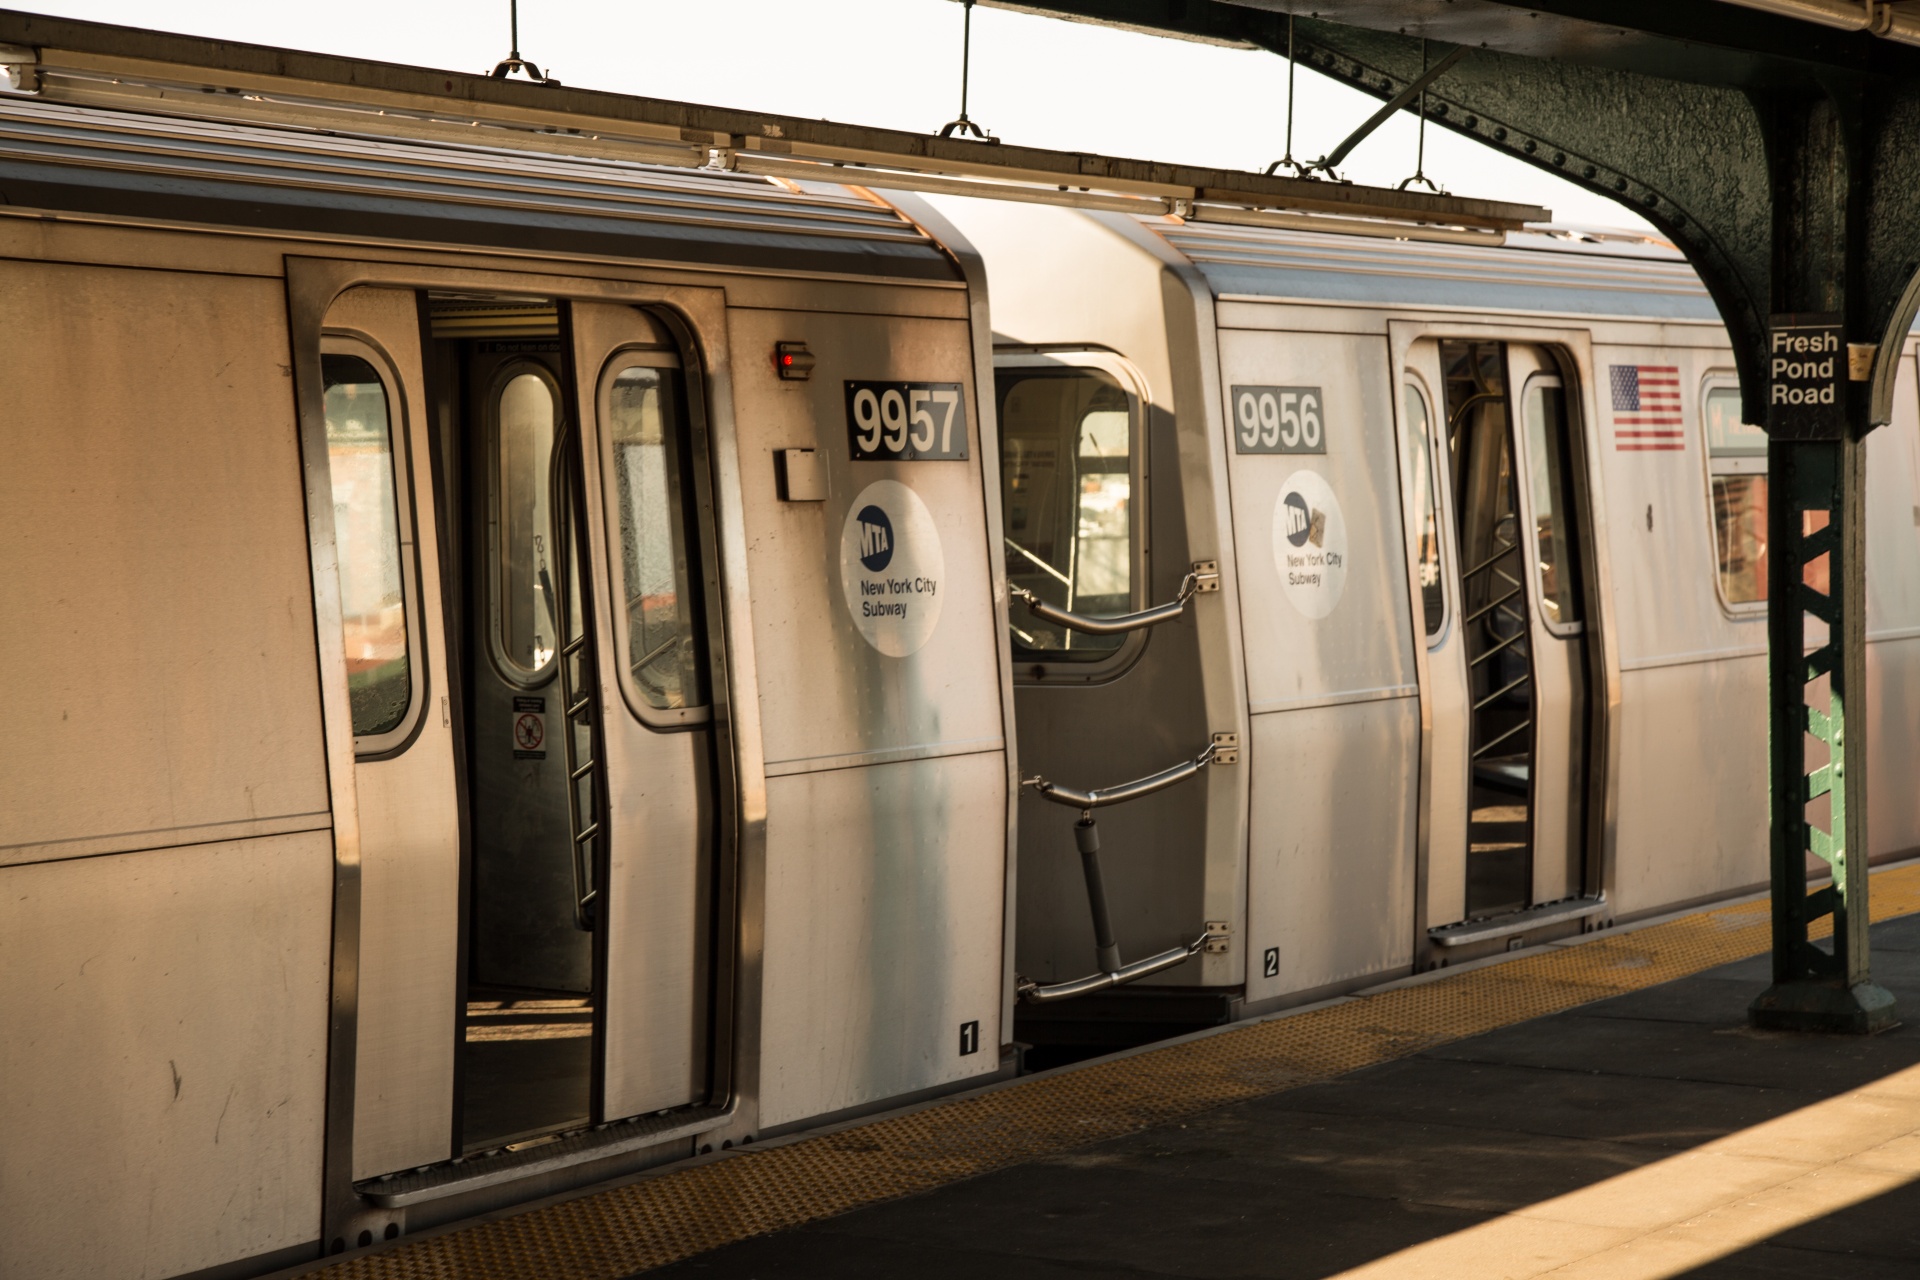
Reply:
x=883, y=931
x=1893, y=514
x=660, y=817
x=164, y=1057
x=409, y=822
x=1330, y=868
x=1658, y=523
x=1693, y=783
x=1893, y=618
x=150, y=507
x=1363, y=642
x=828, y=692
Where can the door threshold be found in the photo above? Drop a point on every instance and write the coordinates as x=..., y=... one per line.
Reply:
x=1459, y=935
x=471, y=1173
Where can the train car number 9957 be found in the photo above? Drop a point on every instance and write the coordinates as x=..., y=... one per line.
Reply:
x=1278, y=420
x=906, y=421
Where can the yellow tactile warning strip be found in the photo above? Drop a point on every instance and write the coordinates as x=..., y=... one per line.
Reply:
x=615, y=1233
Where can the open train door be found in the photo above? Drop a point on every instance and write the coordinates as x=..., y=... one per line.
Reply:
x=638, y=508
x=1496, y=487
x=531, y=974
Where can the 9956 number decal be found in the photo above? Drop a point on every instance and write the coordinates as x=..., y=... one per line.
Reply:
x=1278, y=420
x=906, y=421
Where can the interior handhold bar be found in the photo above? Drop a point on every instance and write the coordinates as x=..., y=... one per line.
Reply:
x=1204, y=577
x=1224, y=749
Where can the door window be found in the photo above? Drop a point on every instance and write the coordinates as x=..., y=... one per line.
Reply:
x=1550, y=488
x=1433, y=593
x=1737, y=488
x=641, y=407
x=368, y=542
x=526, y=605
x=1067, y=484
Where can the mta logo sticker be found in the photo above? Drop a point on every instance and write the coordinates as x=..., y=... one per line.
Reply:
x=892, y=568
x=876, y=539
x=1304, y=523
x=1310, y=543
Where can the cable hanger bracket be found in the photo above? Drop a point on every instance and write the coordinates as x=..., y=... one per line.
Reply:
x=513, y=61
x=961, y=126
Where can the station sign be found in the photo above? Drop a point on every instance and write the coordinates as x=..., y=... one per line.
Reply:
x=1806, y=377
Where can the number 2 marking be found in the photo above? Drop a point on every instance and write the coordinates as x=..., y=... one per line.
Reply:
x=1270, y=963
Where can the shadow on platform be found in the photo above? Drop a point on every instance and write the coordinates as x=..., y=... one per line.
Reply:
x=1650, y=1135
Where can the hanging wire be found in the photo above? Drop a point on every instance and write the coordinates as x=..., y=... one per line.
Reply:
x=513, y=61
x=1287, y=161
x=1420, y=154
x=962, y=127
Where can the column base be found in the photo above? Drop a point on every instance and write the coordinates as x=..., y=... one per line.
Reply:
x=1827, y=1007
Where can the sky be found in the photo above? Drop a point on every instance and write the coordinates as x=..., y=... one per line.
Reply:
x=896, y=63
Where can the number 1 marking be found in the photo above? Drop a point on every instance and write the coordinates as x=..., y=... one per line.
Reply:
x=969, y=1038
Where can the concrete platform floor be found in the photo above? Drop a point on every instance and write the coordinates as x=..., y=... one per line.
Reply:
x=1650, y=1135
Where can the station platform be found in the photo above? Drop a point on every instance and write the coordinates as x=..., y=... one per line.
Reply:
x=1590, y=1109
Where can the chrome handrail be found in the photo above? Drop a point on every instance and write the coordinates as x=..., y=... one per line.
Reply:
x=1199, y=579
x=1120, y=793
x=1035, y=993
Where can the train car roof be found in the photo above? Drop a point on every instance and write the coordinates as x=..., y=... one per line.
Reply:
x=332, y=183
x=1555, y=270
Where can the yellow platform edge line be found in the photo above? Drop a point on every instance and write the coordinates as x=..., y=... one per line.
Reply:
x=610, y=1234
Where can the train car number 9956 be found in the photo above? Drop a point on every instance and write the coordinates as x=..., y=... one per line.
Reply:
x=906, y=421
x=1278, y=420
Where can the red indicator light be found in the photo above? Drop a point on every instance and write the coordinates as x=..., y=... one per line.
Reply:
x=792, y=360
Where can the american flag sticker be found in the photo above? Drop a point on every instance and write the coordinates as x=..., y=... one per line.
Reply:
x=1646, y=408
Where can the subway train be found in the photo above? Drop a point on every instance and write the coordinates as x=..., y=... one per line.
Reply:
x=548, y=655
x=1489, y=541
x=481, y=731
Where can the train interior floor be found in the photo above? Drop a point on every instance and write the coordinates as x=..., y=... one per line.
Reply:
x=1649, y=1135
x=1593, y=1109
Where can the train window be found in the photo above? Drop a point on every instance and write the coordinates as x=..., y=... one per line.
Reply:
x=1067, y=474
x=1433, y=593
x=1737, y=486
x=1549, y=487
x=525, y=419
x=641, y=412
x=368, y=542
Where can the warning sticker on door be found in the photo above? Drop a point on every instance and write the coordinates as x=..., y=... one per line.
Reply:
x=529, y=728
x=892, y=567
x=1310, y=543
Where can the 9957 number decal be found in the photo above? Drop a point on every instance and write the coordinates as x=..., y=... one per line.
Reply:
x=1278, y=420
x=906, y=421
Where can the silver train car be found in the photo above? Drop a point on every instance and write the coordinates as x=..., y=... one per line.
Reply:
x=481, y=728
x=1489, y=637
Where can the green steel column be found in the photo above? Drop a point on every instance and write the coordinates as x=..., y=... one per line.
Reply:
x=1817, y=684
